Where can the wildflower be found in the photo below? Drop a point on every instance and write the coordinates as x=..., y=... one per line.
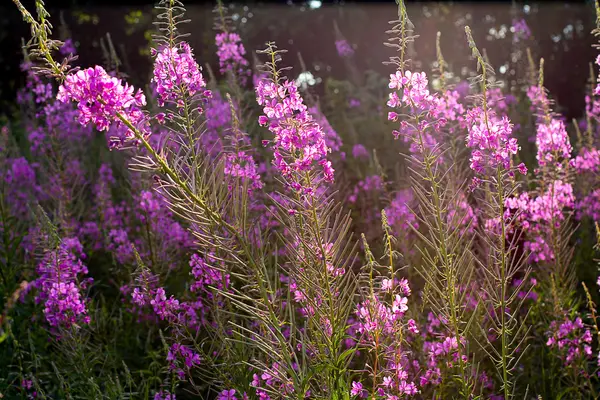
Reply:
x=372, y=183
x=242, y=165
x=571, y=339
x=299, y=141
x=357, y=390
x=231, y=54
x=68, y=47
x=359, y=151
x=552, y=141
x=537, y=215
x=164, y=395
x=400, y=305
x=587, y=160
x=343, y=48
x=398, y=212
x=100, y=98
x=520, y=30
x=353, y=103
x=177, y=75
x=163, y=307
x=60, y=285
x=491, y=141
x=412, y=326
x=227, y=395
x=332, y=139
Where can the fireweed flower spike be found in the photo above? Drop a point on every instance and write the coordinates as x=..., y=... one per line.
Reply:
x=177, y=75
x=490, y=139
x=100, y=97
x=60, y=284
x=231, y=53
x=423, y=123
x=299, y=142
x=230, y=50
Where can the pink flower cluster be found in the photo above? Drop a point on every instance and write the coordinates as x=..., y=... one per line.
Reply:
x=177, y=75
x=100, y=97
x=587, y=160
x=461, y=215
x=360, y=152
x=60, y=285
x=343, y=48
x=450, y=109
x=164, y=395
x=520, y=30
x=273, y=378
x=552, y=143
x=428, y=112
x=491, y=141
x=371, y=183
x=399, y=213
x=498, y=102
x=231, y=54
x=536, y=216
x=299, y=141
x=381, y=316
x=538, y=98
x=242, y=165
x=571, y=339
x=415, y=92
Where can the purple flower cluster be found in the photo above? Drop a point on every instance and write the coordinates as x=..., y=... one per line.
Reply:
x=299, y=141
x=68, y=47
x=537, y=216
x=498, y=102
x=275, y=379
x=491, y=141
x=360, y=152
x=343, y=48
x=572, y=340
x=179, y=352
x=427, y=112
x=371, y=183
x=177, y=75
x=227, y=395
x=60, y=285
x=520, y=30
x=587, y=161
x=399, y=213
x=231, y=53
x=21, y=185
x=147, y=224
x=164, y=395
x=381, y=323
x=100, y=98
x=242, y=165
x=552, y=142
x=206, y=276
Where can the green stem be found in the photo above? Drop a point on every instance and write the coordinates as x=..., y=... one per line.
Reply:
x=503, y=262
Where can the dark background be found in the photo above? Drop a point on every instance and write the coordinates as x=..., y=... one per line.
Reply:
x=560, y=34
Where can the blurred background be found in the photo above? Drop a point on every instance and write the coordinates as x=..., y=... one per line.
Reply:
x=557, y=31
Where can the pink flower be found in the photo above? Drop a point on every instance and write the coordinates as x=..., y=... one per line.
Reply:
x=357, y=390
x=100, y=98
